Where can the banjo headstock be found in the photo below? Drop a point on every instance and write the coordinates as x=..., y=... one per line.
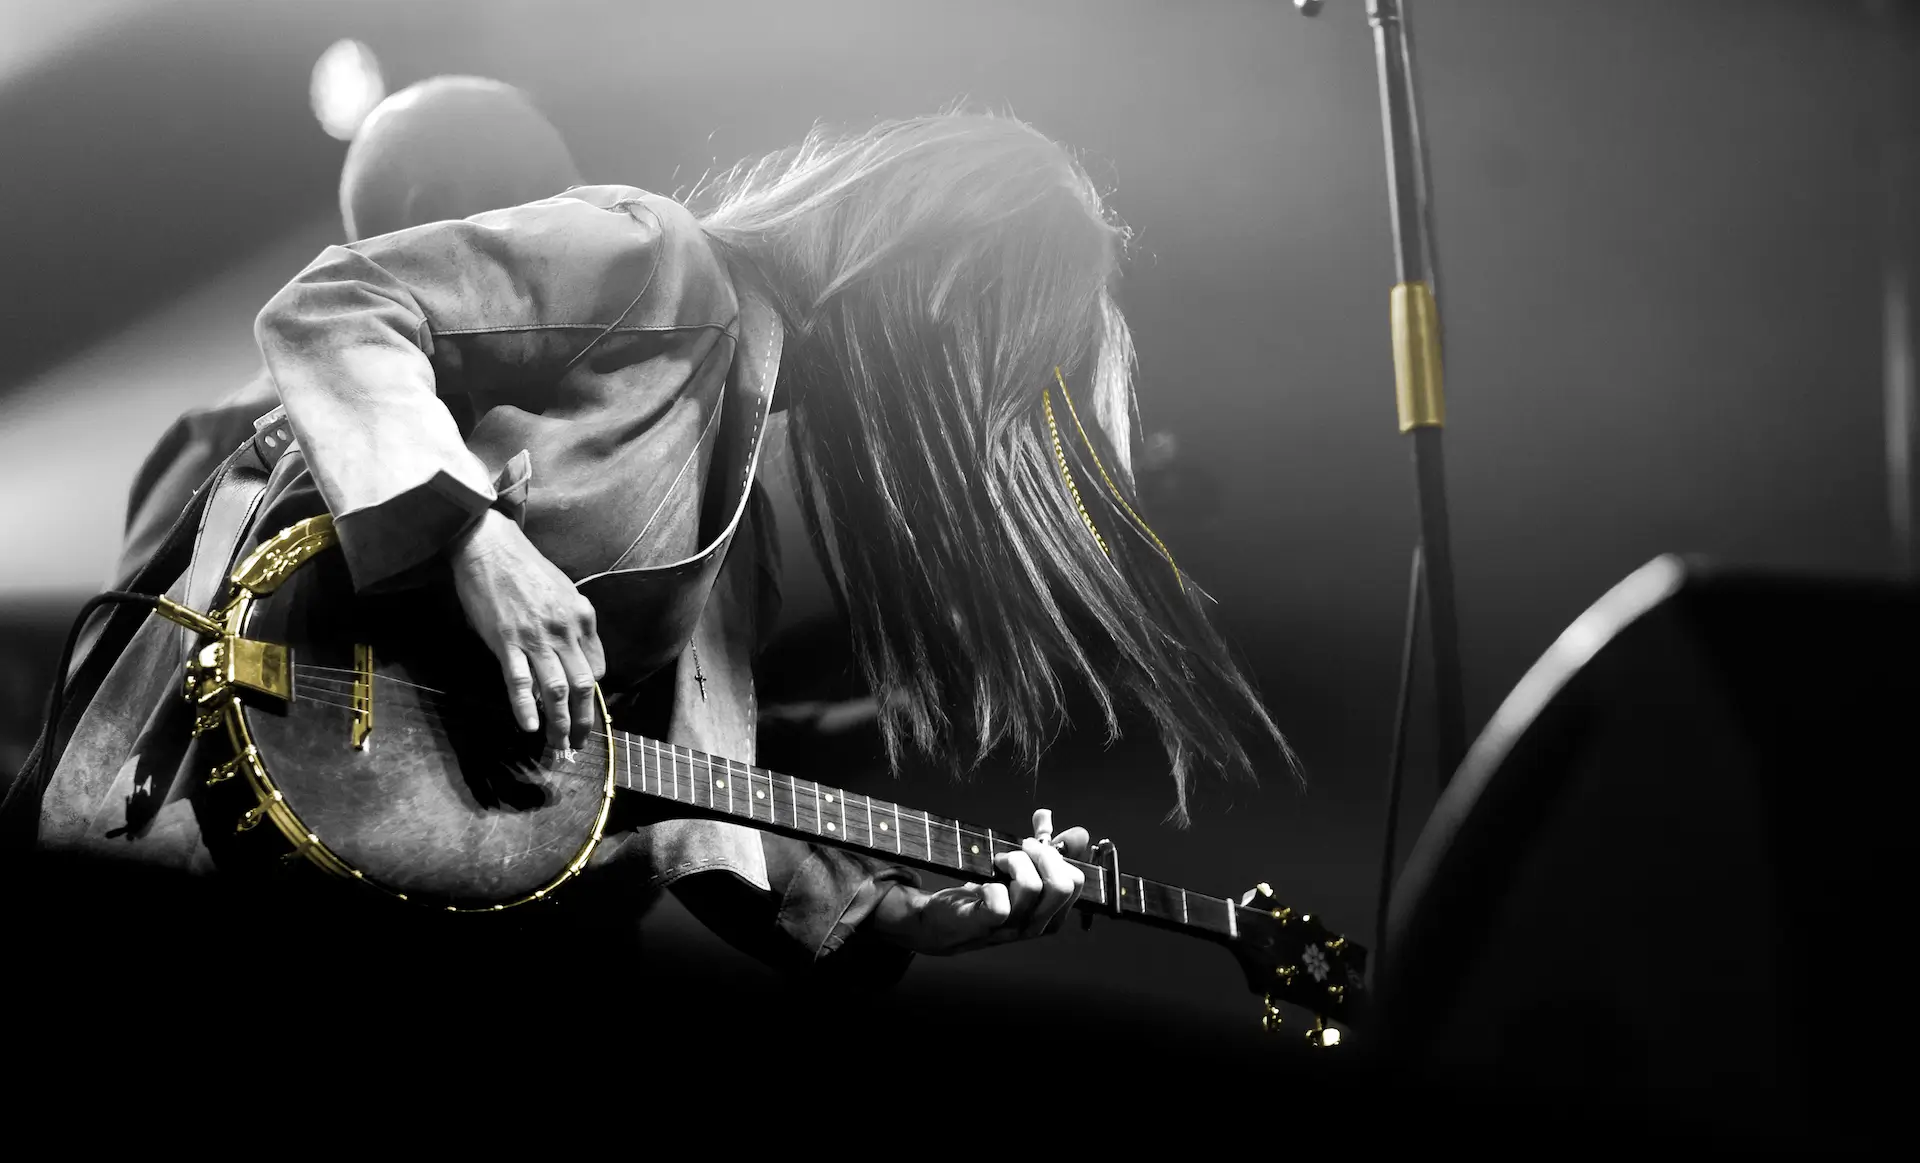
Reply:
x=1289, y=956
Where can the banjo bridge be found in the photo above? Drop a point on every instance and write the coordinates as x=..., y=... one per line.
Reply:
x=362, y=695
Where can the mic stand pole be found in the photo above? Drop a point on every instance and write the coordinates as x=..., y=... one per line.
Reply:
x=1418, y=382
x=1898, y=28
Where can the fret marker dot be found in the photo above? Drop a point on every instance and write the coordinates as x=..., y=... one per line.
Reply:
x=829, y=827
x=883, y=827
x=719, y=783
x=829, y=799
x=759, y=795
x=1123, y=892
x=976, y=849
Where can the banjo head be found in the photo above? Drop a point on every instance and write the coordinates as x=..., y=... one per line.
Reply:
x=388, y=753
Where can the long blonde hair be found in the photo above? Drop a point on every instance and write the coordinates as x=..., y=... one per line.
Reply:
x=932, y=274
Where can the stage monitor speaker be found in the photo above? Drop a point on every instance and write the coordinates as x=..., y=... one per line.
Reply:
x=1661, y=885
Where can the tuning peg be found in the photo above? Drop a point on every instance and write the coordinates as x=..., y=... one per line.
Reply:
x=1270, y=1020
x=1322, y=1036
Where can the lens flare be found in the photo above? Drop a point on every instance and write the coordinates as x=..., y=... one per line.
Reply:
x=346, y=86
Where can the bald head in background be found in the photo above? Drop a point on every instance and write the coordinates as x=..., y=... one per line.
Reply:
x=445, y=148
x=450, y=147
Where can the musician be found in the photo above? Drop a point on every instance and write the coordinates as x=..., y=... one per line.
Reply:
x=444, y=148
x=571, y=397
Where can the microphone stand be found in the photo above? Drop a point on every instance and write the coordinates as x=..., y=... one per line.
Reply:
x=1418, y=381
x=1897, y=26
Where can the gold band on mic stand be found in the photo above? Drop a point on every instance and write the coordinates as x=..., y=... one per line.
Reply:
x=1416, y=358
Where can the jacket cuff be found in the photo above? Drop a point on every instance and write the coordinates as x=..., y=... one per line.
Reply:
x=824, y=907
x=390, y=546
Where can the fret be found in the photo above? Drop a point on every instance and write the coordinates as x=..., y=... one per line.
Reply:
x=975, y=855
x=761, y=796
x=738, y=789
x=1157, y=900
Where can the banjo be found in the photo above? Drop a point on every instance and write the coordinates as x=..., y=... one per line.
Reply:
x=365, y=733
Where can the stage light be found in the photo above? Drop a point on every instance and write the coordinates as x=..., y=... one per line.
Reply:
x=346, y=86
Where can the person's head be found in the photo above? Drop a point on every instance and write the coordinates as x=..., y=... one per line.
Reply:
x=446, y=148
x=932, y=274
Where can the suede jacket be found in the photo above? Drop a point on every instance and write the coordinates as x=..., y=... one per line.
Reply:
x=586, y=365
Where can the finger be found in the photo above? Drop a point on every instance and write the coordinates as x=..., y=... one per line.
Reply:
x=579, y=697
x=550, y=682
x=590, y=643
x=1043, y=824
x=977, y=914
x=1060, y=885
x=990, y=912
x=513, y=664
x=1074, y=843
x=1023, y=885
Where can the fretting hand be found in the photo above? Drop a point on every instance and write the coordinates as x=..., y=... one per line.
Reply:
x=536, y=623
x=1034, y=901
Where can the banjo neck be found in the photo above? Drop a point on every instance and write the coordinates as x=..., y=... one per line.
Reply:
x=717, y=788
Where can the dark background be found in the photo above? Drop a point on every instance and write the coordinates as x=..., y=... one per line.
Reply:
x=1659, y=229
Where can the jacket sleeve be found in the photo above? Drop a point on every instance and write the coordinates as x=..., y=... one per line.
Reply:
x=810, y=925
x=363, y=344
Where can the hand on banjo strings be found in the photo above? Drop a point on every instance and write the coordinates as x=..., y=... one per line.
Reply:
x=1034, y=900
x=536, y=623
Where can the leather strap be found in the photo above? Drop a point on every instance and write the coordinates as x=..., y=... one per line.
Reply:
x=198, y=550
